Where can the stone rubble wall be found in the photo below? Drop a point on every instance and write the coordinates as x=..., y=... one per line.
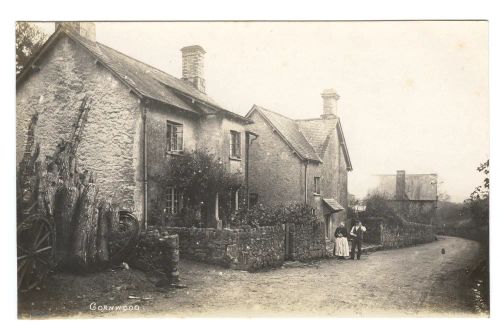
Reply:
x=406, y=234
x=307, y=241
x=395, y=235
x=244, y=249
x=157, y=252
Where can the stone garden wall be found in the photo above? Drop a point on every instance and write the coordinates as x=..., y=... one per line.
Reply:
x=157, y=252
x=406, y=234
x=394, y=235
x=244, y=249
x=307, y=241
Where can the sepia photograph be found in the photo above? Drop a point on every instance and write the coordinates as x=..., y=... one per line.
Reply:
x=252, y=169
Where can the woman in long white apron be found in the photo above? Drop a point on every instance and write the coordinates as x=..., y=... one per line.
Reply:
x=341, y=244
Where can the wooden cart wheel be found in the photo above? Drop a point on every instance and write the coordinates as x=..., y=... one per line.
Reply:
x=35, y=251
x=126, y=238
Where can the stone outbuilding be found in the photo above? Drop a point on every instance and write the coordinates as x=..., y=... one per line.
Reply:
x=412, y=196
x=140, y=117
x=302, y=160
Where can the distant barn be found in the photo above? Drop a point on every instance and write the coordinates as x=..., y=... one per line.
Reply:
x=413, y=196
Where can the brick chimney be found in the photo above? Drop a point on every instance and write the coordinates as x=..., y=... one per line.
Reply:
x=193, y=66
x=330, y=98
x=400, y=185
x=84, y=29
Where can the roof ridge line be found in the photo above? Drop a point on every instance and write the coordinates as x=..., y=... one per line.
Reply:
x=300, y=154
x=277, y=113
x=310, y=119
x=151, y=66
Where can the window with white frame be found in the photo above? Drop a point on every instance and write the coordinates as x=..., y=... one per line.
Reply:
x=174, y=137
x=173, y=199
x=235, y=144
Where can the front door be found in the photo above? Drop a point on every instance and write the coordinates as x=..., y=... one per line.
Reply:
x=327, y=225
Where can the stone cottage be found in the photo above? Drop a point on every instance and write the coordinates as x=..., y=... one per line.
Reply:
x=140, y=117
x=412, y=196
x=301, y=161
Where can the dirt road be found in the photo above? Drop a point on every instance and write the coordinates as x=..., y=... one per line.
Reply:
x=415, y=281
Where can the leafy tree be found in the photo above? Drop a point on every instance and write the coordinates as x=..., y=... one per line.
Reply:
x=29, y=39
x=378, y=205
x=450, y=214
x=478, y=204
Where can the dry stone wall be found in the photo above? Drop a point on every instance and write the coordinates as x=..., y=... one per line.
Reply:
x=307, y=241
x=244, y=249
x=395, y=235
x=157, y=252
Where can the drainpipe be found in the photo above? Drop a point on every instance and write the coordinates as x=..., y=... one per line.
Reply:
x=145, y=163
x=247, y=162
x=305, y=181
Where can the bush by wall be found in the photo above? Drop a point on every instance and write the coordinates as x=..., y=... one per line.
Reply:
x=261, y=215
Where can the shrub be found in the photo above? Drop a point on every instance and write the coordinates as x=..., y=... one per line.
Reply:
x=260, y=215
x=377, y=206
x=199, y=176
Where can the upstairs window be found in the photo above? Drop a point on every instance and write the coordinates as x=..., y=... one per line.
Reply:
x=317, y=189
x=174, y=137
x=172, y=201
x=235, y=145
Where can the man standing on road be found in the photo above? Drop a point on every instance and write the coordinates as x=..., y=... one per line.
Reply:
x=357, y=238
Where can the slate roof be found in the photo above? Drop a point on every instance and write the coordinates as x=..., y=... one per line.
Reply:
x=145, y=80
x=318, y=132
x=309, y=138
x=289, y=130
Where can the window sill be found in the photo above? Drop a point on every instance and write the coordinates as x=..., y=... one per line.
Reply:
x=175, y=153
x=235, y=158
x=316, y=194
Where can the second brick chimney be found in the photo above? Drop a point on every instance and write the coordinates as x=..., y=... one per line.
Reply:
x=193, y=66
x=330, y=98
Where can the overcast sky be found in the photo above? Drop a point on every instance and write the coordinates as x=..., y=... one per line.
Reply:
x=413, y=95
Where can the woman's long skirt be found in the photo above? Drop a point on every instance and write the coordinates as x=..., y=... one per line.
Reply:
x=341, y=247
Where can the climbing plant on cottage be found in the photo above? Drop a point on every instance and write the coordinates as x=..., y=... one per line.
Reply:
x=199, y=176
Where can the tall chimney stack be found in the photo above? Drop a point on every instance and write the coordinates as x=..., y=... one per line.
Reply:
x=400, y=185
x=330, y=98
x=84, y=29
x=193, y=66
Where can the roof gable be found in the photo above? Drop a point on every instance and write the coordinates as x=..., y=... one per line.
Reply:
x=318, y=132
x=143, y=79
x=343, y=144
x=289, y=131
